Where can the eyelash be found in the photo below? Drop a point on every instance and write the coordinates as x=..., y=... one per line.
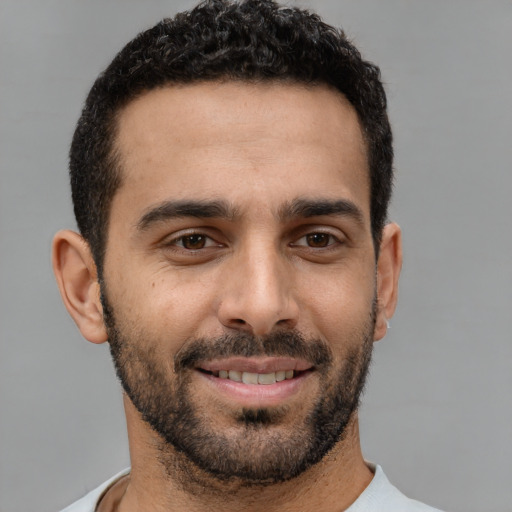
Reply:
x=180, y=242
x=331, y=240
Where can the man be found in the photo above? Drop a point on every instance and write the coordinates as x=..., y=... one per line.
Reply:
x=230, y=173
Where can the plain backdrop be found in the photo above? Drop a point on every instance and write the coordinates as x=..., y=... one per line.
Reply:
x=437, y=414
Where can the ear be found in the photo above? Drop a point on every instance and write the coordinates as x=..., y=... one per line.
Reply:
x=77, y=278
x=388, y=272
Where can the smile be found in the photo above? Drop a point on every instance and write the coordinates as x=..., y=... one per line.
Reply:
x=256, y=382
x=255, y=378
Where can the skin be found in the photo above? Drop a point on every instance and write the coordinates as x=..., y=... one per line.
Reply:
x=257, y=148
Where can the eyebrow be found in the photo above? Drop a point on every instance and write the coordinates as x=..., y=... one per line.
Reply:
x=179, y=209
x=299, y=208
x=305, y=208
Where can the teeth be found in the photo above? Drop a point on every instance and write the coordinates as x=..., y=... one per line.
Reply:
x=266, y=378
x=236, y=376
x=255, y=378
x=249, y=378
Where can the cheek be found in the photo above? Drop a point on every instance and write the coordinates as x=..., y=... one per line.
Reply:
x=164, y=306
x=339, y=306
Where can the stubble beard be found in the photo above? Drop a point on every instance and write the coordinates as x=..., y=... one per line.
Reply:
x=260, y=449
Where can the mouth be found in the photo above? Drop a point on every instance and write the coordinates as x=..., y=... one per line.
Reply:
x=264, y=379
x=257, y=382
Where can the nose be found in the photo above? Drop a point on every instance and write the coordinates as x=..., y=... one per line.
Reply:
x=258, y=294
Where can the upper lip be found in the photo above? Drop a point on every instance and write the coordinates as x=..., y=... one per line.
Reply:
x=255, y=364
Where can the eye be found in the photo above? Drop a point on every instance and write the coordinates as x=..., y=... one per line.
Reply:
x=192, y=246
x=194, y=242
x=317, y=240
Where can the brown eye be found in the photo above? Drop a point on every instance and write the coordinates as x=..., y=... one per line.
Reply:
x=318, y=239
x=193, y=242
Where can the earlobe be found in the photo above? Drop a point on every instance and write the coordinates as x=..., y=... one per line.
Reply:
x=76, y=276
x=388, y=272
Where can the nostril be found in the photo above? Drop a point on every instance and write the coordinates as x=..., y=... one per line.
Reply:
x=239, y=321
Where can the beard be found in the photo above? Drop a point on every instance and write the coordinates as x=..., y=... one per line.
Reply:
x=261, y=446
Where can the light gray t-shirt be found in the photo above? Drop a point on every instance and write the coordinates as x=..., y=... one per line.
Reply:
x=379, y=496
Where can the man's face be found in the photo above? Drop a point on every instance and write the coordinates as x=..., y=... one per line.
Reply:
x=240, y=249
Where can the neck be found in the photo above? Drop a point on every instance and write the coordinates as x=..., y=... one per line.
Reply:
x=165, y=480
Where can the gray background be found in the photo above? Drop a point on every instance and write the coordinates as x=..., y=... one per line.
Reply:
x=438, y=410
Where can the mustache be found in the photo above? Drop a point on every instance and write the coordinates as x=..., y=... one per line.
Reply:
x=281, y=343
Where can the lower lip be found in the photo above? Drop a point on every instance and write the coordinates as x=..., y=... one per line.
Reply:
x=257, y=395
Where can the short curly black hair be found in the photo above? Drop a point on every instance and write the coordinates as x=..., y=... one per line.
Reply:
x=251, y=40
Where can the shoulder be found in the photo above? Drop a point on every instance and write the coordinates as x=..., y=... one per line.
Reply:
x=382, y=496
x=90, y=501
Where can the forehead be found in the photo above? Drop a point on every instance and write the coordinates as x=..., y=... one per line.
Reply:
x=233, y=139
